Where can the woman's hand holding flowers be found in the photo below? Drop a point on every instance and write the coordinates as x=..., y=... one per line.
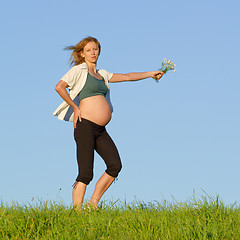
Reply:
x=156, y=74
x=167, y=65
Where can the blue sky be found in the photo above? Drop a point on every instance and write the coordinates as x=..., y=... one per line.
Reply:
x=174, y=137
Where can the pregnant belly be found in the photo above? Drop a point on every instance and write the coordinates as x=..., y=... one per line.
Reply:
x=96, y=109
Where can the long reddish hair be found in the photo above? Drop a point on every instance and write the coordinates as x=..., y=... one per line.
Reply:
x=76, y=57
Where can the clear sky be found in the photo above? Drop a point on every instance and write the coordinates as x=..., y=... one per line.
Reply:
x=175, y=136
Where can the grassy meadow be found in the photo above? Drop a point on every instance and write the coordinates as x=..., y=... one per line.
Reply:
x=207, y=218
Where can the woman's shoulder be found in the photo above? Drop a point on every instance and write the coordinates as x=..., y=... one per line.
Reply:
x=106, y=75
x=82, y=66
x=75, y=74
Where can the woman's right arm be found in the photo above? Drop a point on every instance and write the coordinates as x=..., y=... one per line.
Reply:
x=61, y=90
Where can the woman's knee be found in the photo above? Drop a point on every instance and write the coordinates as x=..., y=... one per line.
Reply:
x=114, y=169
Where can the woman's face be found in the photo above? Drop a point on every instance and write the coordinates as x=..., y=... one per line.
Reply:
x=91, y=52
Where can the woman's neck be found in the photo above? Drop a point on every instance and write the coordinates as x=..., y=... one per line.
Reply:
x=92, y=67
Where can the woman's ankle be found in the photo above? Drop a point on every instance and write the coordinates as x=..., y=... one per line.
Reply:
x=77, y=206
x=93, y=202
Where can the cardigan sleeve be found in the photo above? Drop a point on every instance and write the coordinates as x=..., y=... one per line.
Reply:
x=106, y=75
x=109, y=75
x=71, y=77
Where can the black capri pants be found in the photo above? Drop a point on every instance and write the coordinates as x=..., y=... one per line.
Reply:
x=90, y=136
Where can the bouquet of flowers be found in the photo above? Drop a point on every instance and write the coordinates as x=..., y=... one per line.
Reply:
x=167, y=65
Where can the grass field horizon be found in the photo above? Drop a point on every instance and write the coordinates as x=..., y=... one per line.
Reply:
x=204, y=218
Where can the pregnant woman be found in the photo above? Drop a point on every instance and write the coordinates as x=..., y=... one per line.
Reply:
x=88, y=105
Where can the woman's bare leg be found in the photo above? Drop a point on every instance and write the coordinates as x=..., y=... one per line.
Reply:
x=78, y=193
x=102, y=185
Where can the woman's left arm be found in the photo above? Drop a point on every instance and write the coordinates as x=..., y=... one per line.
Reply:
x=135, y=76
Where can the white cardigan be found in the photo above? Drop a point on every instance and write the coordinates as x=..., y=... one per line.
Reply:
x=76, y=78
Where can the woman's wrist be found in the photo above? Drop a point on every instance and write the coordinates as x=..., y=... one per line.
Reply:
x=75, y=108
x=149, y=74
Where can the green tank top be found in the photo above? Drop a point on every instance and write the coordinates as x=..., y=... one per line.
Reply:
x=93, y=87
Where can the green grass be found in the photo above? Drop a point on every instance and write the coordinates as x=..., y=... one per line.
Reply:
x=207, y=218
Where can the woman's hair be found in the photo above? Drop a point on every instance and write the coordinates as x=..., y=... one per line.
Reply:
x=76, y=57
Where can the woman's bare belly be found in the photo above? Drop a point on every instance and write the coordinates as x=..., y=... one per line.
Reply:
x=96, y=109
